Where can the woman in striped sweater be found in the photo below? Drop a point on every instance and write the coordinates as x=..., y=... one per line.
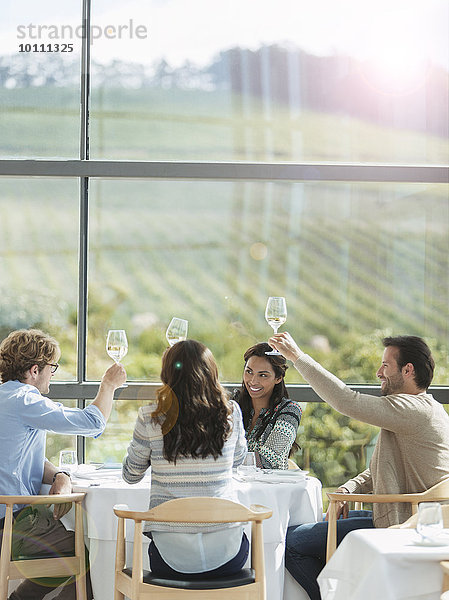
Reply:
x=191, y=438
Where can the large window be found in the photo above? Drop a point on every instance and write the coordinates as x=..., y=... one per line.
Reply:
x=333, y=125
x=350, y=258
x=272, y=81
x=39, y=260
x=39, y=79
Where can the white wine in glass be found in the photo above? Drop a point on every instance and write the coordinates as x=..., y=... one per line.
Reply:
x=116, y=344
x=177, y=331
x=275, y=314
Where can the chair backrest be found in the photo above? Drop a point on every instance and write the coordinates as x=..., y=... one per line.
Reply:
x=201, y=509
x=437, y=493
x=43, y=567
x=188, y=510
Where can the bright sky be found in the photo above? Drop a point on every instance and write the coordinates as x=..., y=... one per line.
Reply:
x=397, y=34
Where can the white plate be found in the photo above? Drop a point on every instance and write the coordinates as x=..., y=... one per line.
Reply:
x=442, y=540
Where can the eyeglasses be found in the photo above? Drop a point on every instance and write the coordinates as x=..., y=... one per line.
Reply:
x=54, y=367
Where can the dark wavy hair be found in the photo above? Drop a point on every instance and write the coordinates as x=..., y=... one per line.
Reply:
x=192, y=406
x=242, y=396
x=414, y=350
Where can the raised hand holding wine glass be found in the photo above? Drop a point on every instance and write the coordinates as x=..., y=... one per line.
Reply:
x=275, y=314
x=176, y=331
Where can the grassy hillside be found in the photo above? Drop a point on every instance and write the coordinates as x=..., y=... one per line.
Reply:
x=153, y=123
x=350, y=258
x=347, y=262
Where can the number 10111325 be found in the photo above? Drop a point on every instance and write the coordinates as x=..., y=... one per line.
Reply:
x=45, y=47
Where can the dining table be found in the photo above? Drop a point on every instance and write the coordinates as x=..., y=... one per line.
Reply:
x=387, y=564
x=294, y=497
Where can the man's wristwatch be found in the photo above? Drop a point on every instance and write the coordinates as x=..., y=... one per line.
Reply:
x=65, y=473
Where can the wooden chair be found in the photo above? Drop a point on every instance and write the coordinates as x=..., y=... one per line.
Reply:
x=437, y=493
x=292, y=466
x=26, y=568
x=445, y=590
x=248, y=584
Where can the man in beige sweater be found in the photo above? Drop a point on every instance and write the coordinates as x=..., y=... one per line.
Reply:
x=411, y=453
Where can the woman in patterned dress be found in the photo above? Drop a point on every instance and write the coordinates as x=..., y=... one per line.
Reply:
x=270, y=419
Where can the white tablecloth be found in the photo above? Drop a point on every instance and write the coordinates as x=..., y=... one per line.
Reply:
x=292, y=502
x=373, y=564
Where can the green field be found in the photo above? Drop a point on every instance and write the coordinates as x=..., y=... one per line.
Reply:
x=346, y=264
x=350, y=258
x=176, y=124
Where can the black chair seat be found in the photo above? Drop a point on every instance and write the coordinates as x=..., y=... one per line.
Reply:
x=243, y=577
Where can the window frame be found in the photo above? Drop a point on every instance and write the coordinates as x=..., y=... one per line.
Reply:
x=84, y=169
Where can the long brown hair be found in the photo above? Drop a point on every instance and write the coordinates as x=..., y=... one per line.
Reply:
x=192, y=406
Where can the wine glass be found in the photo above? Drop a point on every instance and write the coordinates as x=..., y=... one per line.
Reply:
x=430, y=521
x=275, y=314
x=68, y=461
x=116, y=344
x=176, y=331
x=248, y=468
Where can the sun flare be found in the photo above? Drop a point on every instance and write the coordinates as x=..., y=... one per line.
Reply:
x=395, y=61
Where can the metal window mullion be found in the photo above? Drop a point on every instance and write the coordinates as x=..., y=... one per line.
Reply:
x=83, y=279
x=83, y=216
x=82, y=303
x=85, y=81
x=146, y=392
x=218, y=171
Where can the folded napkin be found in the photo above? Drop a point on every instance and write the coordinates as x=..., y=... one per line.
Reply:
x=98, y=474
x=290, y=473
x=272, y=475
x=281, y=476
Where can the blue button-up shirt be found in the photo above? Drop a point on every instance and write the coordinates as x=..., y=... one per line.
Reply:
x=25, y=418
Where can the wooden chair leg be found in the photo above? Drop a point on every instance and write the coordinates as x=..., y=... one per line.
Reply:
x=137, y=559
x=445, y=583
x=6, y=553
x=80, y=552
x=332, y=530
x=120, y=556
x=257, y=556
